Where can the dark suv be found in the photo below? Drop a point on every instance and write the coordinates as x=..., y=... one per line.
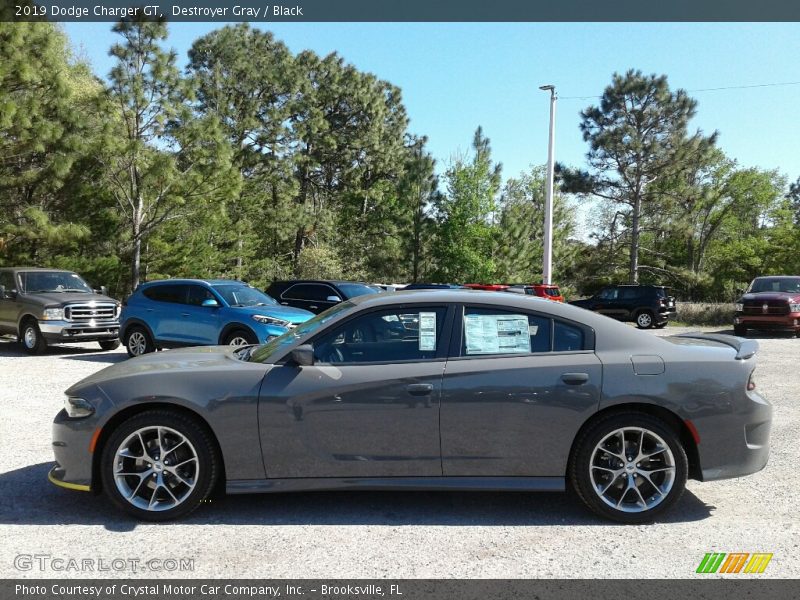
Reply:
x=52, y=306
x=646, y=305
x=317, y=295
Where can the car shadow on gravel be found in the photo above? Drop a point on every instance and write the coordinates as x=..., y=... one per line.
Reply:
x=27, y=498
x=12, y=349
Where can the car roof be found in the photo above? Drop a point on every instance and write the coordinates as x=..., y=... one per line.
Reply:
x=185, y=281
x=329, y=281
x=45, y=269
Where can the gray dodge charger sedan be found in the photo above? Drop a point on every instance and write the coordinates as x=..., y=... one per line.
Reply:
x=423, y=390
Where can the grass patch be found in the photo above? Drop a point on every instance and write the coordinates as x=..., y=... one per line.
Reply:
x=704, y=313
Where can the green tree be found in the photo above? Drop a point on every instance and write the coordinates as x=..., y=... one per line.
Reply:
x=464, y=214
x=638, y=136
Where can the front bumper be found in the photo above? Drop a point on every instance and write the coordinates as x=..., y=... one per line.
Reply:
x=71, y=447
x=67, y=331
x=789, y=322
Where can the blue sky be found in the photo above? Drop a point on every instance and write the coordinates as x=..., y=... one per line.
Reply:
x=455, y=77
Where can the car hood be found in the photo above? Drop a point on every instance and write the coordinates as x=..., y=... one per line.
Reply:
x=47, y=298
x=767, y=296
x=187, y=359
x=279, y=311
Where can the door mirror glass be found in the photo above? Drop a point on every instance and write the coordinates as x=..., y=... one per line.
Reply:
x=303, y=355
x=7, y=294
x=210, y=303
x=333, y=299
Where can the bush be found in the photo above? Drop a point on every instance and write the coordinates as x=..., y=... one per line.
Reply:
x=705, y=313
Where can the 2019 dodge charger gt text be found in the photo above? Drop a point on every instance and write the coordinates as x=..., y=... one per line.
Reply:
x=486, y=392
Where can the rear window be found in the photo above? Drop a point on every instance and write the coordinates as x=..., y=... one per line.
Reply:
x=351, y=290
x=553, y=291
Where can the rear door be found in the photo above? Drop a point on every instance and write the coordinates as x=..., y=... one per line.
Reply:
x=517, y=388
x=8, y=305
x=313, y=297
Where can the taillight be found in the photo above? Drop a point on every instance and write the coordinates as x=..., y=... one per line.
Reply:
x=751, y=382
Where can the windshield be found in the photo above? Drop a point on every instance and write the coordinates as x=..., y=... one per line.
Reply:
x=262, y=353
x=351, y=290
x=243, y=295
x=53, y=281
x=775, y=284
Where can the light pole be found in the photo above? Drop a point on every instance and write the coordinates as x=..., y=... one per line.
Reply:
x=547, y=267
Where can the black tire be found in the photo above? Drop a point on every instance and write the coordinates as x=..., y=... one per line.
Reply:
x=644, y=319
x=207, y=460
x=108, y=345
x=740, y=330
x=31, y=337
x=240, y=334
x=138, y=341
x=579, y=470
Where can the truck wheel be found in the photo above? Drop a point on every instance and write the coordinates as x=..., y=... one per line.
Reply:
x=109, y=344
x=32, y=339
x=644, y=320
x=138, y=342
x=629, y=467
x=740, y=330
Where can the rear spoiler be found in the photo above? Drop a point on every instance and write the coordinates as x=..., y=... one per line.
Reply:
x=744, y=348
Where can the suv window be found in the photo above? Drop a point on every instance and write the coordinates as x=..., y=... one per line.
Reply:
x=166, y=293
x=197, y=294
x=631, y=293
x=309, y=291
x=491, y=331
x=392, y=335
x=609, y=293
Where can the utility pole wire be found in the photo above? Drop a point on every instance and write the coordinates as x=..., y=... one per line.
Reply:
x=714, y=89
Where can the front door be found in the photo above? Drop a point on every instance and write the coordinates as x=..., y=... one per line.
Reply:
x=516, y=396
x=368, y=407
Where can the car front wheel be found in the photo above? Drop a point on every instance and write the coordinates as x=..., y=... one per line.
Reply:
x=240, y=337
x=629, y=467
x=159, y=465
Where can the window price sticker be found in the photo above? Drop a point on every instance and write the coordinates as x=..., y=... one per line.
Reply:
x=427, y=331
x=497, y=334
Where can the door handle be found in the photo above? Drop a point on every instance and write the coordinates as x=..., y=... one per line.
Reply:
x=184, y=314
x=575, y=378
x=314, y=306
x=285, y=303
x=420, y=389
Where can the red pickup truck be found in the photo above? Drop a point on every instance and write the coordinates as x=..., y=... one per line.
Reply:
x=770, y=303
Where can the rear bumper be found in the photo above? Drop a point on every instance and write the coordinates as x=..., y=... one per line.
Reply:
x=666, y=314
x=790, y=322
x=735, y=444
x=67, y=331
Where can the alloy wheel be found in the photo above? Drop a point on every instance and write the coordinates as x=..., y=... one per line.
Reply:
x=29, y=337
x=644, y=320
x=137, y=343
x=632, y=469
x=238, y=341
x=156, y=468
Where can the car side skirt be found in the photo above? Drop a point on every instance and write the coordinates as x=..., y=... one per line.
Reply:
x=494, y=484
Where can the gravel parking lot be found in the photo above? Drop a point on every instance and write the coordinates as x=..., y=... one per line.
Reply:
x=398, y=535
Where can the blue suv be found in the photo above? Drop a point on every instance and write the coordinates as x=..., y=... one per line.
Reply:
x=194, y=312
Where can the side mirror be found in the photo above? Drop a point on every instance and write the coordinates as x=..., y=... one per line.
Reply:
x=210, y=303
x=7, y=294
x=303, y=355
x=333, y=299
x=739, y=291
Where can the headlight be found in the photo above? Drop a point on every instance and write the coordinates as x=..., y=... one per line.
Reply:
x=53, y=314
x=119, y=310
x=794, y=307
x=270, y=321
x=77, y=407
x=739, y=307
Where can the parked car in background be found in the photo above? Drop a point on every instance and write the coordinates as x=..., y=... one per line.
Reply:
x=316, y=295
x=51, y=306
x=646, y=305
x=433, y=286
x=543, y=290
x=489, y=287
x=197, y=312
x=770, y=303
x=490, y=392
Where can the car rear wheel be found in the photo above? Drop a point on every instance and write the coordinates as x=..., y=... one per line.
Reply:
x=109, y=344
x=644, y=320
x=31, y=337
x=159, y=465
x=240, y=337
x=629, y=467
x=138, y=342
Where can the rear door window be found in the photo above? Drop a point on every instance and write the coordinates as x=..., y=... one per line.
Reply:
x=174, y=293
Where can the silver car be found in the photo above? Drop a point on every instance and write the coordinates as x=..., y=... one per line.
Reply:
x=422, y=390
